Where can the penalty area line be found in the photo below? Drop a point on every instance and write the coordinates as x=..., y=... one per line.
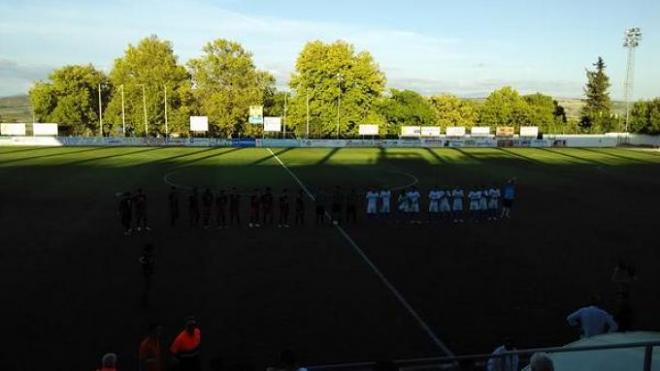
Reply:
x=436, y=340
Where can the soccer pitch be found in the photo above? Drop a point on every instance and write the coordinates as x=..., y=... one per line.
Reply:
x=72, y=283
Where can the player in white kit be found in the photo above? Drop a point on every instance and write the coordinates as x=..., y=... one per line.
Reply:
x=483, y=203
x=445, y=208
x=434, y=203
x=372, y=203
x=493, y=203
x=385, y=200
x=413, y=203
x=474, y=197
x=457, y=205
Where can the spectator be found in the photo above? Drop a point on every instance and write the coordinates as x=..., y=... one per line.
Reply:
x=509, y=196
x=108, y=362
x=622, y=278
x=592, y=319
x=506, y=362
x=150, y=355
x=287, y=363
x=541, y=362
x=185, y=347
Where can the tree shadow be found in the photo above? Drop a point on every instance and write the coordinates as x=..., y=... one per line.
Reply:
x=25, y=150
x=329, y=155
x=435, y=155
x=54, y=154
x=87, y=160
x=627, y=158
x=581, y=159
x=264, y=159
x=521, y=157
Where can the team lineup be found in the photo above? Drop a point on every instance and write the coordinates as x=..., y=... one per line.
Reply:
x=224, y=208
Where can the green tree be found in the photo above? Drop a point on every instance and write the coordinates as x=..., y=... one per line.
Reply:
x=645, y=117
x=597, y=110
x=70, y=98
x=227, y=83
x=341, y=85
x=150, y=67
x=406, y=108
x=541, y=110
x=452, y=111
x=504, y=107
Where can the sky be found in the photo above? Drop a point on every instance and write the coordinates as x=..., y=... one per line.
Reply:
x=467, y=48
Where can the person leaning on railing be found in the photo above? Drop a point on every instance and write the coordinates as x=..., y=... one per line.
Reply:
x=592, y=319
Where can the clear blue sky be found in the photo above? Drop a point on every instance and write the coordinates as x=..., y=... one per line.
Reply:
x=462, y=47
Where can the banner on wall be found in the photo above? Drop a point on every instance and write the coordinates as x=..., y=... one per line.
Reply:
x=430, y=131
x=43, y=129
x=411, y=131
x=480, y=131
x=256, y=115
x=529, y=131
x=12, y=129
x=272, y=124
x=368, y=129
x=199, y=123
x=455, y=131
x=504, y=131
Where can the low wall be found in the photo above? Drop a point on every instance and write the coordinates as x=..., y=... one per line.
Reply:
x=606, y=140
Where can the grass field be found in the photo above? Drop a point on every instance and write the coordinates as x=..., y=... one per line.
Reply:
x=72, y=284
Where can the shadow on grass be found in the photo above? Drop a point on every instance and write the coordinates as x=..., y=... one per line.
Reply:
x=581, y=159
x=627, y=158
x=55, y=154
x=264, y=159
x=327, y=157
x=521, y=157
x=190, y=162
x=24, y=150
x=435, y=155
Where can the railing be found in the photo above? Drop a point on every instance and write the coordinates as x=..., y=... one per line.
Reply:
x=458, y=362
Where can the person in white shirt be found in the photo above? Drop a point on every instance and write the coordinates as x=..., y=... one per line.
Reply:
x=506, y=362
x=372, y=202
x=402, y=205
x=592, y=320
x=541, y=362
x=445, y=208
x=493, y=203
x=457, y=205
x=434, y=203
x=475, y=198
x=413, y=203
x=483, y=203
x=385, y=200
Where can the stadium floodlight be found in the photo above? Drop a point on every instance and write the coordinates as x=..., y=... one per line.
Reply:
x=123, y=112
x=631, y=41
x=100, y=113
x=340, y=79
x=166, y=128
x=144, y=108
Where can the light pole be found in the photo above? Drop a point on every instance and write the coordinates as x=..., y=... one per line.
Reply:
x=123, y=112
x=166, y=128
x=144, y=109
x=307, y=105
x=340, y=79
x=632, y=37
x=100, y=113
x=286, y=94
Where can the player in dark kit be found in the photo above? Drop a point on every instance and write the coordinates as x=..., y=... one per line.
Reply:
x=267, y=207
x=207, y=205
x=173, y=199
x=320, y=206
x=284, y=209
x=351, y=206
x=125, y=211
x=234, y=207
x=300, y=208
x=140, y=202
x=255, y=204
x=337, y=200
x=220, y=208
x=193, y=208
x=148, y=262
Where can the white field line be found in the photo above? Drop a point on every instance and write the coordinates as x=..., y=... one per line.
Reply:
x=436, y=340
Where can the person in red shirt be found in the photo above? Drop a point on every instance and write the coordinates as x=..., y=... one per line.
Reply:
x=108, y=362
x=185, y=347
x=150, y=354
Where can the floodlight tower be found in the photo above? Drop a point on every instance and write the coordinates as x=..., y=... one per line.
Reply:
x=632, y=37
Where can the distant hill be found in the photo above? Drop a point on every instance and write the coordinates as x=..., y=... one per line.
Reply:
x=15, y=109
x=574, y=105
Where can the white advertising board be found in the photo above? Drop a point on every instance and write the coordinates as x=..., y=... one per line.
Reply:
x=273, y=124
x=368, y=130
x=199, y=123
x=256, y=115
x=411, y=131
x=12, y=129
x=480, y=131
x=430, y=131
x=529, y=131
x=455, y=131
x=44, y=129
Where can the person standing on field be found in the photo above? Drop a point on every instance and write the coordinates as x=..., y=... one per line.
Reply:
x=173, y=200
x=300, y=208
x=221, y=202
x=234, y=207
x=148, y=263
x=320, y=207
x=284, y=209
x=508, y=197
x=193, y=208
x=267, y=207
x=150, y=354
x=185, y=347
x=255, y=206
x=207, y=204
x=141, y=210
x=337, y=200
x=126, y=211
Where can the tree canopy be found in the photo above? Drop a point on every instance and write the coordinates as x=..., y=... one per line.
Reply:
x=340, y=85
x=645, y=117
x=453, y=111
x=406, y=107
x=597, y=109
